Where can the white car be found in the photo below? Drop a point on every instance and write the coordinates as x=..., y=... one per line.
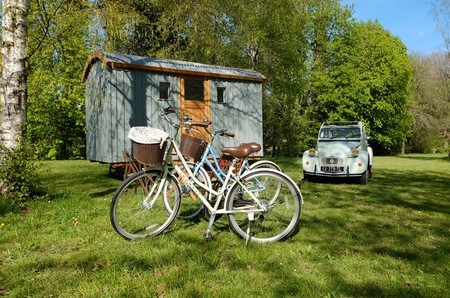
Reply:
x=342, y=151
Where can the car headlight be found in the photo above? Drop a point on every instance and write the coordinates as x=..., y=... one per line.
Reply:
x=355, y=152
x=312, y=152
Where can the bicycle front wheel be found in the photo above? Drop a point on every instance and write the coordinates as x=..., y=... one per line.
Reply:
x=191, y=205
x=138, y=207
x=280, y=197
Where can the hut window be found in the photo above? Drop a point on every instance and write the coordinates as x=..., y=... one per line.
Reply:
x=164, y=90
x=193, y=89
x=220, y=94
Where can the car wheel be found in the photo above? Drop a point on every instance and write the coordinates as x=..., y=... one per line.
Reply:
x=307, y=177
x=364, y=178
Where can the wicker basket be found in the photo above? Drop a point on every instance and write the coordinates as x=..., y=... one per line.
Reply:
x=192, y=147
x=149, y=154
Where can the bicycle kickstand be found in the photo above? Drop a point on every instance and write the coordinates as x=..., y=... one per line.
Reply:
x=251, y=218
x=208, y=234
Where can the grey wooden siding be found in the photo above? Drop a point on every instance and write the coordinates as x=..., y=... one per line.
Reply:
x=120, y=98
x=240, y=113
x=96, y=89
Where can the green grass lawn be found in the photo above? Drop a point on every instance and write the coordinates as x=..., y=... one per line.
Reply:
x=390, y=238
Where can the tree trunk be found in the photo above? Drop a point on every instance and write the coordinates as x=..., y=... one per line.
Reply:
x=446, y=137
x=13, y=89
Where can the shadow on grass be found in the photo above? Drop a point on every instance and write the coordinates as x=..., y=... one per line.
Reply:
x=398, y=222
x=107, y=192
x=334, y=180
x=85, y=177
x=398, y=215
x=8, y=206
x=398, y=218
x=417, y=191
x=426, y=157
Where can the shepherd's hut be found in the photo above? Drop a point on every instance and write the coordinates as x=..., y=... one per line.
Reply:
x=123, y=91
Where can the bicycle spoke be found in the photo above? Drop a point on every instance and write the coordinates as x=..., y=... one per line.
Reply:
x=279, y=197
x=138, y=211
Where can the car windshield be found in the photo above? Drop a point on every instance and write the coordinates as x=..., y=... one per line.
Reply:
x=340, y=133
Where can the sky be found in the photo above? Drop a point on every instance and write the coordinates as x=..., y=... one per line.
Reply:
x=410, y=20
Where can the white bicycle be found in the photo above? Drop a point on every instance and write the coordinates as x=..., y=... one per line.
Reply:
x=263, y=205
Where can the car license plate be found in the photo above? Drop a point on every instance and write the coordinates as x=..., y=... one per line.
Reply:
x=332, y=169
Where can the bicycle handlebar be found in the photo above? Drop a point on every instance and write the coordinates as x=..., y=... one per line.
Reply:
x=201, y=124
x=188, y=122
x=223, y=133
x=169, y=110
x=204, y=124
x=228, y=134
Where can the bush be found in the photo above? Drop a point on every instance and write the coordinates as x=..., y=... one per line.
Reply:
x=424, y=141
x=19, y=179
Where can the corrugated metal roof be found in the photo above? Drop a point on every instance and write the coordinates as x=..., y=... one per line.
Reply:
x=171, y=66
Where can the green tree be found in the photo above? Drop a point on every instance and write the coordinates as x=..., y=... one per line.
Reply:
x=272, y=37
x=441, y=10
x=431, y=102
x=320, y=65
x=263, y=35
x=18, y=177
x=129, y=27
x=327, y=22
x=57, y=53
x=369, y=80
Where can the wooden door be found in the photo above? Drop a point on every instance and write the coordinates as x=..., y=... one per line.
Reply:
x=195, y=101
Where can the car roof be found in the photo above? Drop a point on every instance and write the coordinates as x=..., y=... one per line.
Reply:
x=342, y=123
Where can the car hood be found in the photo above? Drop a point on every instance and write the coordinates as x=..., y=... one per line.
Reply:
x=336, y=148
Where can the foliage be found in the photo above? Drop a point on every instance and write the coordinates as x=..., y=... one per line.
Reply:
x=19, y=175
x=57, y=54
x=276, y=45
x=354, y=242
x=129, y=27
x=368, y=79
x=426, y=141
x=430, y=102
x=262, y=35
x=320, y=64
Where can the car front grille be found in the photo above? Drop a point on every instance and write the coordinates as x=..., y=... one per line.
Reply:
x=332, y=161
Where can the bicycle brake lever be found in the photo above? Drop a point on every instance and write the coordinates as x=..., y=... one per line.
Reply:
x=228, y=134
x=169, y=110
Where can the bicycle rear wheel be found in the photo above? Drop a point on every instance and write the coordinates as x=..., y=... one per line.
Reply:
x=274, y=190
x=138, y=207
x=265, y=164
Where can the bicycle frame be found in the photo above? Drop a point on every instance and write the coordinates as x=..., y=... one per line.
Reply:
x=214, y=166
x=192, y=182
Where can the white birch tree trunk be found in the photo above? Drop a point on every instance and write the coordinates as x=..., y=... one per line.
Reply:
x=13, y=89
